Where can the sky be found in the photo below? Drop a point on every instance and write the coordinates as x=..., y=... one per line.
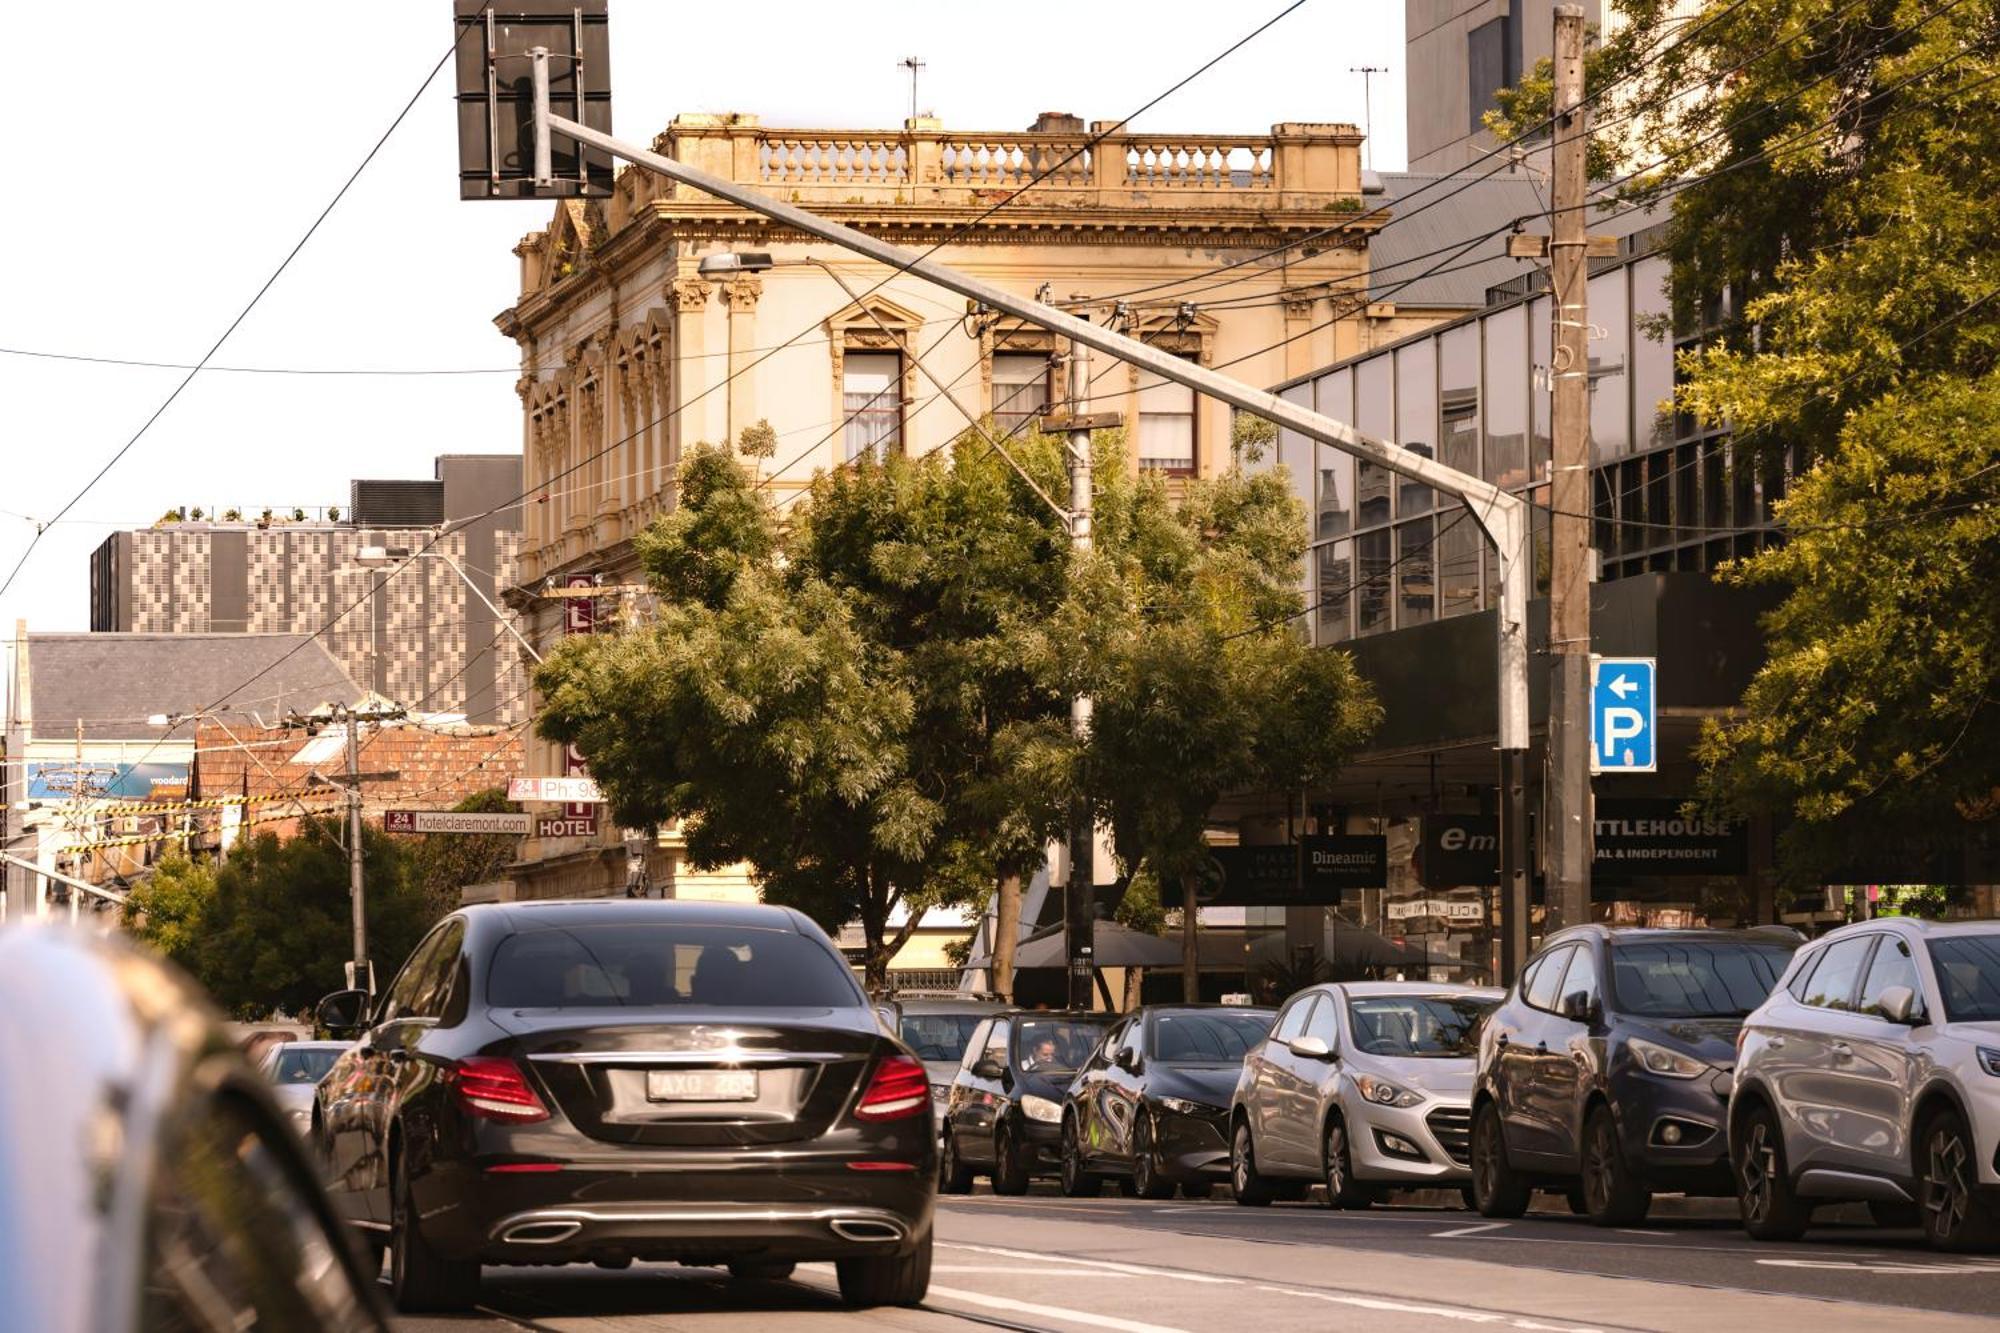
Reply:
x=190, y=146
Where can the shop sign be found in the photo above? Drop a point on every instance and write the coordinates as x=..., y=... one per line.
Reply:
x=1314, y=872
x=1650, y=836
x=567, y=825
x=64, y=779
x=1468, y=912
x=580, y=613
x=1459, y=850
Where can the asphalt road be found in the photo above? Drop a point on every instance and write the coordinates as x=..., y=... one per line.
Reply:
x=1048, y=1263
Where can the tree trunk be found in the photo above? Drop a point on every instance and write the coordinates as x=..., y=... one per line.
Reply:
x=1135, y=984
x=1190, y=955
x=874, y=916
x=1006, y=931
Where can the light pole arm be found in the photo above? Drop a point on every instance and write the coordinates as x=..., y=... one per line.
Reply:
x=107, y=894
x=487, y=602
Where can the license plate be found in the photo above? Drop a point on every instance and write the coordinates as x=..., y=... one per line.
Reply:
x=701, y=1085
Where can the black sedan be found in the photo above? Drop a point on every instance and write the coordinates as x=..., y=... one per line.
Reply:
x=1151, y=1105
x=1003, y=1114
x=609, y=1080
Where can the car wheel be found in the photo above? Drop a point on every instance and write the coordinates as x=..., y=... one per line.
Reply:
x=1077, y=1183
x=1578, y=1205
x=1010, y=1172
x=1771, y=1211
x=900, y=1279
x=1197, y=1189
x=420, y=1279
x=760, y=1270
x=1148, y=1182
x=954, y=1176
x=1342, y=1190
x=1251, y=1189
x=1612, y=1193
x=1955, y=1217
x=1497, y=1189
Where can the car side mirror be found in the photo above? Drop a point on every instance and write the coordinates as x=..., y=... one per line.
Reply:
x=987, y=1069
x=343, y=1011
x=1898, y=1004
x=1578, y=1007
x=1313, y=1048
x=1127, y=1059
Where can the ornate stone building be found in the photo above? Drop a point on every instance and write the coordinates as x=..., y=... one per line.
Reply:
x=1248, y=252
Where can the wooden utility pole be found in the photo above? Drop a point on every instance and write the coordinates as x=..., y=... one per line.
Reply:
x=1567, y=821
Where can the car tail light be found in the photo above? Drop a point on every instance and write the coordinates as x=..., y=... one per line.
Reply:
x=496, y=1089
x=899, y=1088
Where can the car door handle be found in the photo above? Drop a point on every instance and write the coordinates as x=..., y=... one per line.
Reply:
x=1842, y=1051
x=1775, y=1043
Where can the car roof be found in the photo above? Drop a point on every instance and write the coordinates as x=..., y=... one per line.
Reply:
x=1064, y=1015
x=1916, y=925
x=936, y=1004
x=562, y=913
x=1778, y=935
x=1150, y=1009
x=1365, y=988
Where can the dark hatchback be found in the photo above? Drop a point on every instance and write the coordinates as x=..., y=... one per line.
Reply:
x=1606, y=1072
x=610, y=1080
x=1151, y=1105
x=1003, y=1115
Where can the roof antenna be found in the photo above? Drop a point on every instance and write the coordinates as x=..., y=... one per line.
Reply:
x=912, y=64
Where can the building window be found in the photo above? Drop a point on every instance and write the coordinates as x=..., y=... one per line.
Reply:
x=1020, y=390
x=872, y=403
x=1166, y=427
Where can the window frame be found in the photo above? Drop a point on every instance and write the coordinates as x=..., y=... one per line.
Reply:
x=1558, y=952
x=1193, y=414
x=1008, y=418
x=1867, y=941
x=851, y=417
x=1920, y=1011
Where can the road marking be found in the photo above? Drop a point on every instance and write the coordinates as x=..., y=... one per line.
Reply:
x=1051, y=1311
x=1032, y=1270
x=1473, y=1230
x=1128, y=1270
x=1887, y=1266
x=1435, y=1311
x=1635, y=1231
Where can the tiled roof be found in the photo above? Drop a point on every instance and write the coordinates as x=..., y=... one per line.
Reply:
x=435, y=770
x=114, y=682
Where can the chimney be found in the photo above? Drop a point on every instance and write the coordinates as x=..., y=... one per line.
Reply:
x=1056, y=122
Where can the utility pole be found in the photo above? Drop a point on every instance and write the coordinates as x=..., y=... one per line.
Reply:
x=1368, y=73
x=1568, y=820
x=355, y=891
x=912, y=64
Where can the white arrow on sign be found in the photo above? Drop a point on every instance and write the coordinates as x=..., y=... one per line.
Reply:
x=1623, y=686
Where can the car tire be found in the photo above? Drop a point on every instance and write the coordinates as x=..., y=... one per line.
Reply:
x=1077, y=1183
x=1764, y=1196
x=1148, y=1181
x=420, y=1279
x=1574, y=1200
x=1010, y=1173
x=1342, y=1189
x=1251, y=1189
x=1498, y=1190
x=897, y=1279
x=1613, y=1194
x=760, y=1270
x=1197, y=1189
x=1468, y=1199
x=954, y=1176
x=1956, y=1217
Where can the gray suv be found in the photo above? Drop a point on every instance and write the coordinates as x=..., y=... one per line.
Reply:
x=1873, y=1074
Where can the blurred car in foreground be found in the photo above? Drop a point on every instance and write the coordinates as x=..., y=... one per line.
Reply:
x=610, y=1080
x=1362, y=1086
x=1873, y=1074
x=147, y=1181
x=1003, y=1117
x=294, y=1069
x=1151, y=1105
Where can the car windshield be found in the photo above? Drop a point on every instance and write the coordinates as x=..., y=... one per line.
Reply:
x=1968, y=972
x=1426, y=1026
x=1695, y=978
x=1059, y=1044
x=1211, y=1038
x=938, y=1036
x=666, y=964
x=303, y=1064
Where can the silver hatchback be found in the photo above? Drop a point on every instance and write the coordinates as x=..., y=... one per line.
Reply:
x=1872, y=1073
x=1362, y=1086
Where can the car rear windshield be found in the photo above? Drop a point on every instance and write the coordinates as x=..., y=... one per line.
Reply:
x=1427, y=1026
x=1208, y=1038
x=938, y=1036
x=1045, y=1044
x=1968, y=972
x=654, y=966
x=1695, y=979
x=303, y=1066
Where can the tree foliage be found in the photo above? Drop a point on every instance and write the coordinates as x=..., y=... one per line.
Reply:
x=443, y=864
x=169, y=908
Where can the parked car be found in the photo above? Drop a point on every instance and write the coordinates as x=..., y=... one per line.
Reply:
x=1003, y=1116
x=1151, y=1105
x=147, y=1180
x=938, y=1028
x=294, y=1069
x=1873, y=1073
x=1605, y=1073
x=607, y=1080
x=1361, y=1086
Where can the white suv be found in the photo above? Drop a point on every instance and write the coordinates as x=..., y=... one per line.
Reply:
x=1873, y=1073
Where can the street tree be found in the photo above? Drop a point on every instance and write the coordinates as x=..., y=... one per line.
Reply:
x=168, y=910
x=441, y=865
x=1833, y=173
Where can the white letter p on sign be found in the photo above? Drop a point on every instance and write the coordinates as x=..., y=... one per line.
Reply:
x=1620, y=725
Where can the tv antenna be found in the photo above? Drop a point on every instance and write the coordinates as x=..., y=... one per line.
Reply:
x=913, y=64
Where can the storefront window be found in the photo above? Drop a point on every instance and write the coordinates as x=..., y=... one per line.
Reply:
x=1375, y=414
x=1371, y=602
x=1416, y=420
x=1416, y=573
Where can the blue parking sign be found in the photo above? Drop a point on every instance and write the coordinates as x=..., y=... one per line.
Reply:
x=1623, y=715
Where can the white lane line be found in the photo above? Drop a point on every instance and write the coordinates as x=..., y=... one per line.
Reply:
x=1064, y=1269
x=1056, y=1312
x=1901, y=1269
x=1433, y=1311
x=1107, y=1265
x=1475, y=1229
x=1635, y=1231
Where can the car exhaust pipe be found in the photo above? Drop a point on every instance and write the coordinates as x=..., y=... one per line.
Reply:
x=871, y=1230
x=540, y=1233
